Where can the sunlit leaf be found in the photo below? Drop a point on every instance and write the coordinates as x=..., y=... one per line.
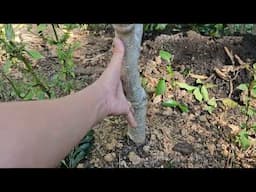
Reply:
x=204, y=93
x=198, y=94
x=165, y=55
x=183, y=108
x=229, y=103
x=186, y=86
x=212, y=102
x=161, y=87
x=199, y=81
x=170, y=103
x=243, y=139
x=35, y=54
x=243, y=87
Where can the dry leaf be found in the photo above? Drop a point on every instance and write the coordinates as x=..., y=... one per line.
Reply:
x=211, y=148
x=235, y=129
x=230, y=55
x=221, y=74
x=195, y=76
x=157, y=99
x=158, y=60
x=239, y=60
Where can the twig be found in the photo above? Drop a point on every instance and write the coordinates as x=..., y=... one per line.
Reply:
x=55, y=32
x=230, y=55
x=209, y=78
x=96, y=57
x=231, y=87
x=239, y=60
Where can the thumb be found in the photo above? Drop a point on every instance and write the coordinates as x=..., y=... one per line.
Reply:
x=118, y=55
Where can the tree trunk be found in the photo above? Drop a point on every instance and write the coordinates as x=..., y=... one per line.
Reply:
x=131, y=35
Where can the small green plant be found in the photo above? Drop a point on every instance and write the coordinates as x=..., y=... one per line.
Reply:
x=19, y=56
x=152, y=27
x=200, y=93
x=173, y=104
x=79, y=152
x=161, y=87
x=249, y=94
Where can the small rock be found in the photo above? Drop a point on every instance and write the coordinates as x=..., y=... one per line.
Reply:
x=111, y=146
x=202, y=118
x=123, y=163
x=184, y=148
x=135, y=159
x=119, y=145
x=146, y=148
x=80, y=165
x=183, y=132
x=109, y=157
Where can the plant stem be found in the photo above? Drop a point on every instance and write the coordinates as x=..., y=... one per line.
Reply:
x=30, y=69
x=55, y=33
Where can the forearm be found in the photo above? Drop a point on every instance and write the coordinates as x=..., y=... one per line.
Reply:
x=41, y=133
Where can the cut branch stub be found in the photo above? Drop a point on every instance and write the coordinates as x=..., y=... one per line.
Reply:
x=131, y=35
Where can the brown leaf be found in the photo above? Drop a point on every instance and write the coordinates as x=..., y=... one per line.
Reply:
x=158, y=60
x=157, y=99
x=221, y=74
x=211, y=147
x=230, y=55
x=235, y=129
x=195, y=76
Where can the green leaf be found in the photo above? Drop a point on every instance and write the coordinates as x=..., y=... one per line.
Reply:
x=160, y=26
x=204, y=93
x=243, y=125
x=254, y=127
x=169, y=70
x=253, y=91
x=198, y=81
x=161, y=87
x=186, y=86
x=243, y=87
x=183, y=108
x=6, y=67
x=209, y=85
x=198, y=95
x=9, y=33
x=41, y=27
x=212, y=102
x=170, y=103
x=209, y=109
x=243, y=138
x=229, y=103
x=165, y=55
x=35, y=54
x=251, y=111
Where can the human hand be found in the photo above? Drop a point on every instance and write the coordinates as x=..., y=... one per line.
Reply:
x=111, y=85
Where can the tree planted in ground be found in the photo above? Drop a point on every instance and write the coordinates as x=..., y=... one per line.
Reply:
x=131, y=35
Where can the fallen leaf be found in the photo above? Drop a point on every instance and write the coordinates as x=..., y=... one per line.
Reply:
x=230, y=55
x=211, y=147
x=195, y=76
x=229, y=103
x=157, y=99
x=235, y=129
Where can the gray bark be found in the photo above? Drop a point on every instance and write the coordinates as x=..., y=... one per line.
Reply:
x=131, y=35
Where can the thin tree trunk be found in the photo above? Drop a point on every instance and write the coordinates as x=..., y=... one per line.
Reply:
x=131, y=35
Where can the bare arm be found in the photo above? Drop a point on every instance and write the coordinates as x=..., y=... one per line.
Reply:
x=41, y=133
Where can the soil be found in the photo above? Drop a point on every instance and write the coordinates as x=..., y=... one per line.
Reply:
x=195, y=139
